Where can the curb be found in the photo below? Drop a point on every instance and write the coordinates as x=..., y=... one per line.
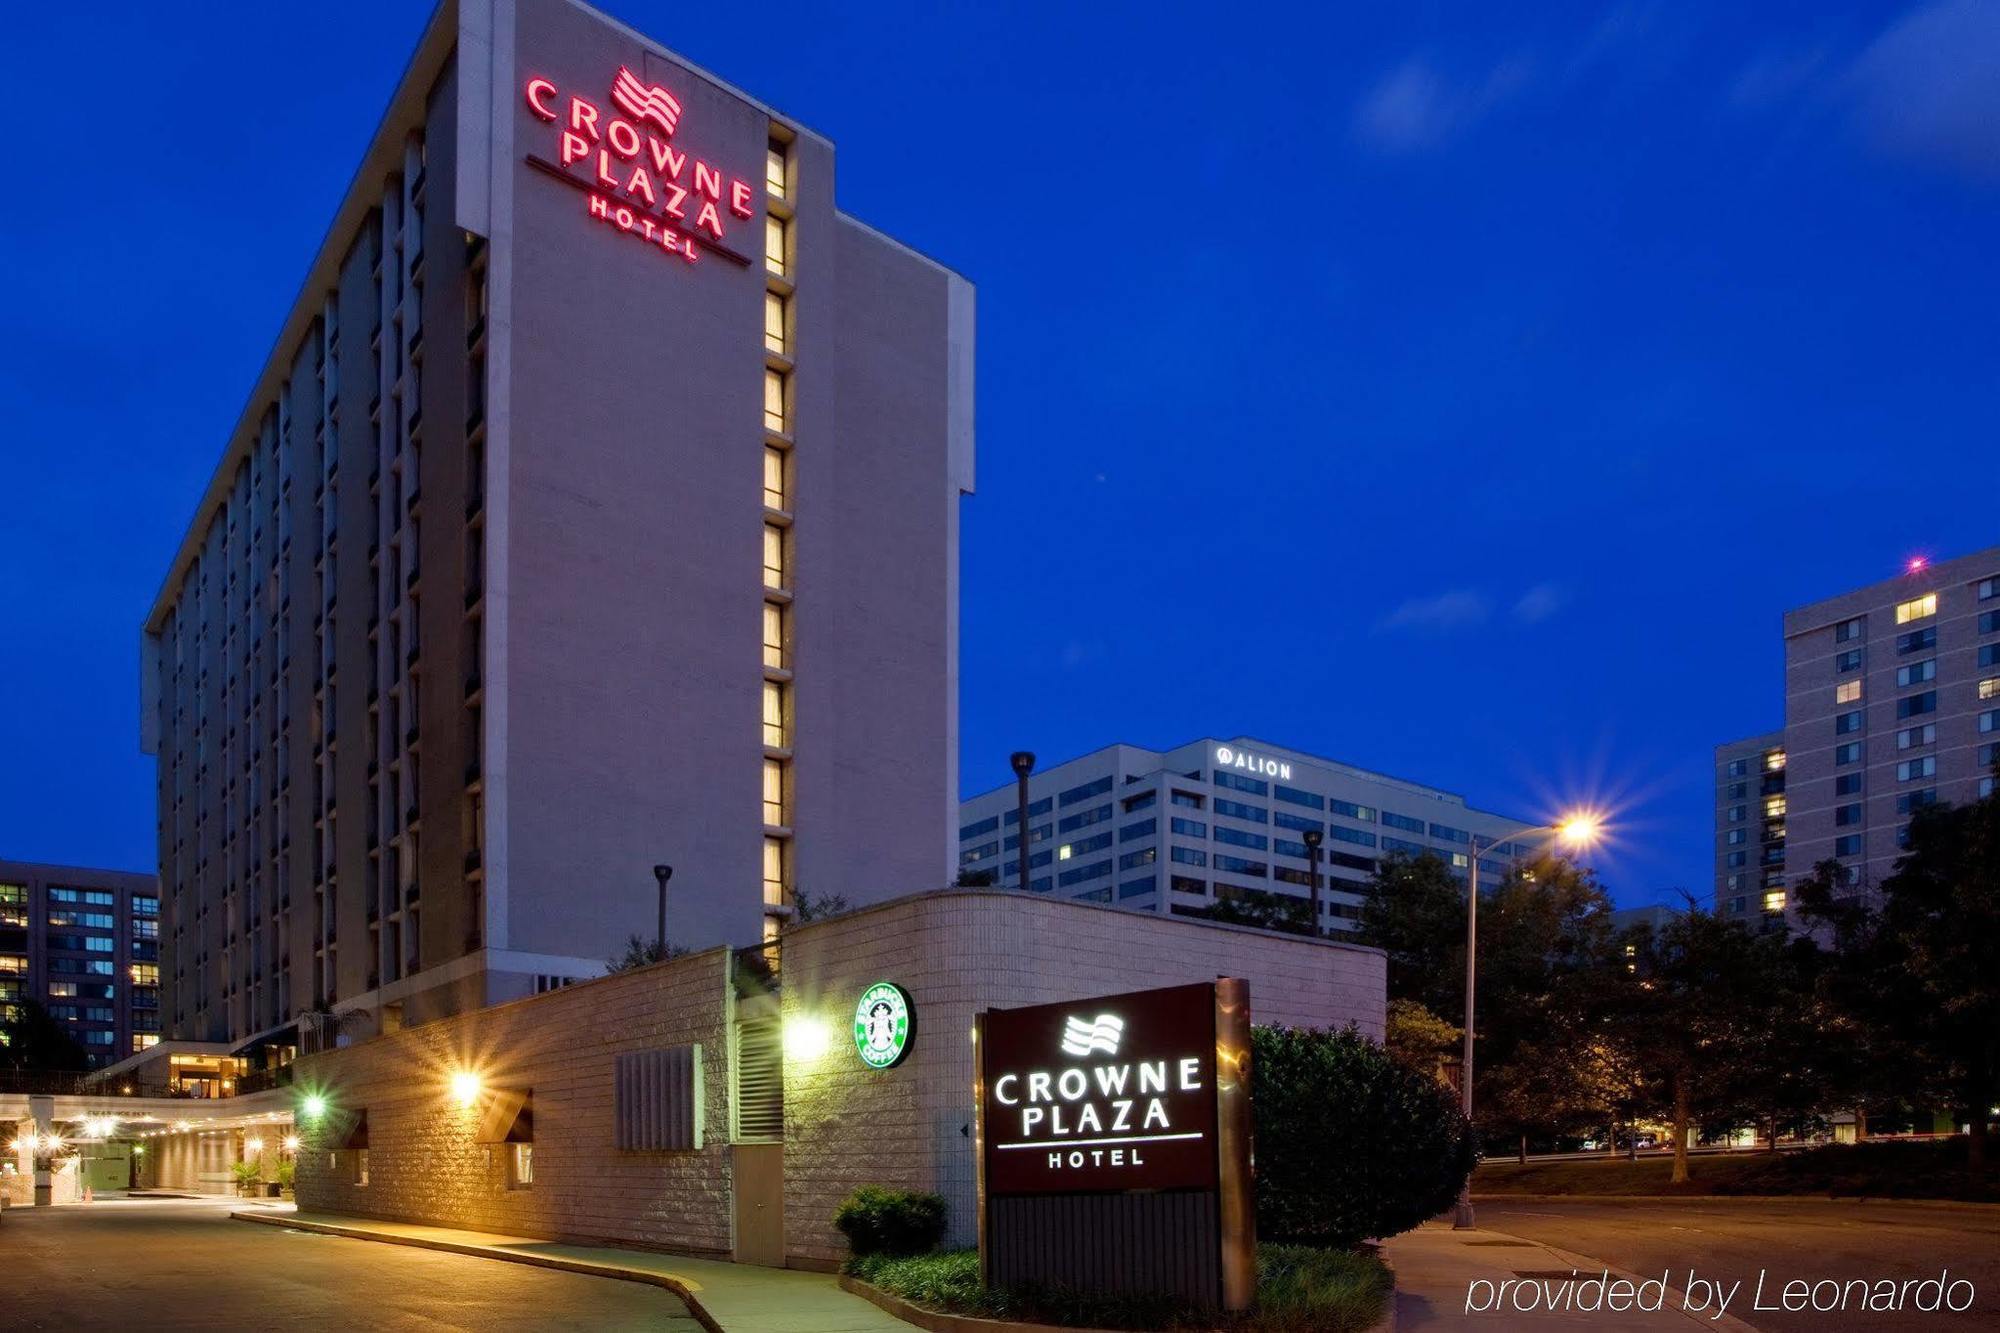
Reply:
x=687, y=1291
x=937, y=1321
x=1973, y=1204
x=1584, y=1263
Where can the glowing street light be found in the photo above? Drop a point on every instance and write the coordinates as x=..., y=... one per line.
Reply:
x=1579, y=829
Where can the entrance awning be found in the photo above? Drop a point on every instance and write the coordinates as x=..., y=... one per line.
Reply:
x=509, y=1118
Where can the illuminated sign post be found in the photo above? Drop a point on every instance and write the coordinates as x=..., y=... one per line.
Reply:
x=623, y=158
x=883, y=1019
x=1114, y=1144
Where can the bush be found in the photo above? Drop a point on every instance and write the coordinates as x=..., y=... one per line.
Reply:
x=1299, y=1290
x=894, y=1222
x=1351, y=1143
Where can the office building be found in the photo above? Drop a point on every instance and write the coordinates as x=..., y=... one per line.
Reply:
x=1892, y=702
x=1175, y=831
x=1750, y=825
x=84, y=944
x=596, y=509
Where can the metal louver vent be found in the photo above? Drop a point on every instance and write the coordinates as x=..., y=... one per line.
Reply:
x=659, y=1100
x=760, y=1077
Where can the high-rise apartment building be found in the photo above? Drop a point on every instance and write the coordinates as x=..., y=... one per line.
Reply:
x=596, y=510
x=1892, y=702
x=1176, y=831
x=1750, y=809
x=86, y=945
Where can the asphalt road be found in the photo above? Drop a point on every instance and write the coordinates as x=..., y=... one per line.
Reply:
x=127, y=1265
x=1809, y=1239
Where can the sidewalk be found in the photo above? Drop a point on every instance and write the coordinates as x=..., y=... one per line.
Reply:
x=1436, y=1269
x=732, y=1298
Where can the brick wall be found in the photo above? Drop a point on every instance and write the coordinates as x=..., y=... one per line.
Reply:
x=424, y=1165
x=957, y=953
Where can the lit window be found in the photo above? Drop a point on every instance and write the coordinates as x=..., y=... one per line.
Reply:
x=1774, y=900
x=520, y=1165
x=774, y=245
x=774, y=715
x=774, y=872
x=1774, y=760
x=1063, y=852
x=1774, y=807
x=774, y=170
x=1847, y=691
x=774, y=635
x=145, y=1041
x=774, y=792
x=774, y=478
x=774, y=400
x=774, y=556
x=1990, y=688
x=1916, y=608
x=774, y=323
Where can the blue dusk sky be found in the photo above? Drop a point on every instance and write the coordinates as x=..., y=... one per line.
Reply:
x=1462, y=391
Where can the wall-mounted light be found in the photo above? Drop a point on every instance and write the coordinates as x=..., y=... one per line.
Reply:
x=465, y=1087
x=291, y=1143
x=253, y=1145
x=313, y=1107
x=806, y=1039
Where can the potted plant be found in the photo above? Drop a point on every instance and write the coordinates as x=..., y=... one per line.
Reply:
x=247, y=1174
x=287, y=1172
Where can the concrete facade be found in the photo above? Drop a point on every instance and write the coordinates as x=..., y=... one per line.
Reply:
x=1174, y=831
x=541, y=555
x=1750, y=828
x=844, y=1125
x=85, y=944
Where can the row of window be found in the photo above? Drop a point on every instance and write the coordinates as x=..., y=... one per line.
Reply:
x=778, y=470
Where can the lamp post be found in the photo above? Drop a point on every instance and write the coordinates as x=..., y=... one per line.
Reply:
x=1577, y=830
x=1024, y=764
x=662, y=873
x=1313, y=839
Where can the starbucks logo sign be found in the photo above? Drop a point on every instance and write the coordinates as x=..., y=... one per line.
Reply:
x=882, y=1022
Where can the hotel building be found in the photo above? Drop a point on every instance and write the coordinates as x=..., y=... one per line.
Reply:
x=1892, y=702
x=1174, y=831
x=596, y=509
x=85, y=945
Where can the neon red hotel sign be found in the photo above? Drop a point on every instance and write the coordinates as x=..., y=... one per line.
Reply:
x=631, y=175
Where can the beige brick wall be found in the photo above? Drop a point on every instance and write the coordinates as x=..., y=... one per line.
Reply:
x=957, y=953
x=424, y=1165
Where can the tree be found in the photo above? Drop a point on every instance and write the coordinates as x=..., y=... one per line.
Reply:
x=35, y=1041
x=642, y=953
x=1266, y=911
x=1932, y=950
x=1420, y=1039
x=1414, y=911
x=818, y=906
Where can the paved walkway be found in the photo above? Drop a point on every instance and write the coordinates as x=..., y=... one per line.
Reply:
x=735, y=1298
x=1449, y=1279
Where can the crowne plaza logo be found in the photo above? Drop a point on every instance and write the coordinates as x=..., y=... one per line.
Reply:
x=1082, y=1036
x=645, y=101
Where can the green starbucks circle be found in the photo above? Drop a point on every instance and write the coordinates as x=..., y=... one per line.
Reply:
x=882, y=1024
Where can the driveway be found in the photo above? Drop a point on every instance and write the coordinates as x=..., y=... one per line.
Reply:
x=121, y=1265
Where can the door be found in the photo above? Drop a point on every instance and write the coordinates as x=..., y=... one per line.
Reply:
x=759, y=1173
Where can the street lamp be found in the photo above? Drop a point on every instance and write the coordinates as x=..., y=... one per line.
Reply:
x=663, y=873
x=1024, y=764
x=1314, y=838
x=1578, y=829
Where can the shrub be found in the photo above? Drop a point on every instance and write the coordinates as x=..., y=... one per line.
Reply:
x=1351, y=1143
x=288, y=1171
x=896, y=1222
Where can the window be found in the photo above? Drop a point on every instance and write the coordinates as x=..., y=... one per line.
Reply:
x=1144, y=828
x=1188, y=799
x=774, y=478
x=1187, y=856
x=1989, y=622
x=774, y=556
x=1736, y=791
x=1916, y=673
x=1237, y=865
x=1847, y=723
x=1848, y=661
x=1909, y=738
x=1848, y=844
x=1238, y=838
x=1916, y=800
x=1738, y=813
x=774, y=872
x=1137, y=888
x=1774, y=761
x=1140, y=802
x=1774, y=807
x=1255, y=786
x=1850, y=753
x=1916, y=608
x=1097, y=842
x=1084, y=792
x=1847, y=784
x=1404, y=822
x=1989, y=721
x=1910, y=769
x=1989, y=589
x=1990, y=688
x=1145, y=856
x=1848, y=630
x=774, y=793
x=1188, y=884
x=776, y=735
x=774, y=323
x=1189, y=828
x=1349, y=810
x=1737, y=837
x=1774, y=900
x=1084, y=819
x=1256, y=814
x=1989, y=654
x=1847, y=691
x=1286, y=819
x=1917, y=640
x=1737, y=768
x=1083, y=874
x=774, y=170
x=775, y=245
x=1913, y=705
x=775, y=416
x=520, y=1166
x=1297, y=797
x=1846, y=815
x=979, y=828
x=774, y=635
